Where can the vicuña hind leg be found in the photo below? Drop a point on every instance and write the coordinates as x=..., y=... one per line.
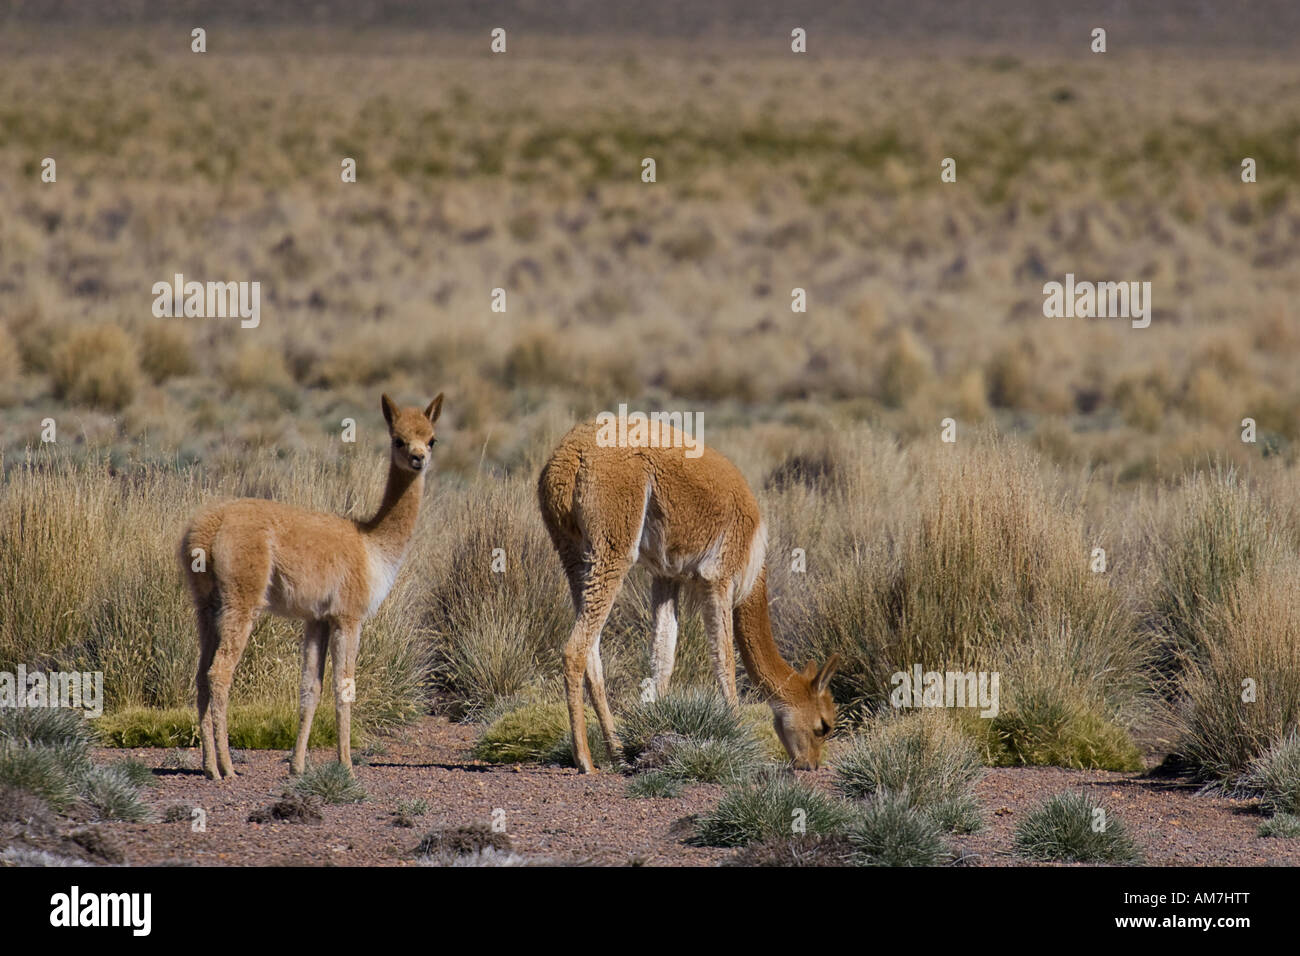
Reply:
x=315, y=640
x=234, y=628
x=207, y=616
x=604, y=577
x=722, y=649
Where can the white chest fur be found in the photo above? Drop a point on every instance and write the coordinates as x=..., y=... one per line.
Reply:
x=381, y=569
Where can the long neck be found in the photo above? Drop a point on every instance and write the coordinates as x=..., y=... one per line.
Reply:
x=753, y=631
x=393, y=523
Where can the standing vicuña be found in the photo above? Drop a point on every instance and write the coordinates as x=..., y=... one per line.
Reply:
x=692, y=521
x=330, y=572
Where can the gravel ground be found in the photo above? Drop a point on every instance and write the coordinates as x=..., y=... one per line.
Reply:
x=557, y=815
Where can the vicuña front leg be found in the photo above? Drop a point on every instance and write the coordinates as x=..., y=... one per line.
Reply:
x=314, y=644
x=345, y=642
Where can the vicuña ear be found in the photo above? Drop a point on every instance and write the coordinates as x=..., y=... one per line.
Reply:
x=823, y=678
x=434, y=409
x=389, y=408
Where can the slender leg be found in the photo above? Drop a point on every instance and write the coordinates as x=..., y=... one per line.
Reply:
x=596, y=688
x=598, y=594
x=345, y=642
x=235, y=628
x=208, y=639
x=315, y=640
x=722, y=650
x=663, y=610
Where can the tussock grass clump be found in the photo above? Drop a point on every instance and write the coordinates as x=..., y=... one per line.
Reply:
x=770, y=806
x=537, y=731
x=1283, y=825
x=331, y=783
x=989, y=574
x=1221, y=535
x=165, y=352
x=694, y=713
x=37, y=770
x=113, y=794
x=890, y=830
x=923, y=758
x=655, y=784
x=1068, y=827
x=47, y=727
x=1275, y=776
x=711, y=760
x=96, y=365
x=691, y=734
x=1255, y=636
x=496, y=634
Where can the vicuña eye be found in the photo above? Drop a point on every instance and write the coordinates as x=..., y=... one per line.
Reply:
x=399, y=443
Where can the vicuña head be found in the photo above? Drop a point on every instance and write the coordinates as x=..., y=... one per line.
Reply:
x=695, y=524
x=805, y=716
x=246, y=557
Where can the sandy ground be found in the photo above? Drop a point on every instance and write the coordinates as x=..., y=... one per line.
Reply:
x=554, y=813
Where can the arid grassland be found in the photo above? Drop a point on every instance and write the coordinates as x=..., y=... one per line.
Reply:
x=522, y=173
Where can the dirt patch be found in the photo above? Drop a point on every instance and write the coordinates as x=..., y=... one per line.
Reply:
x=555, y=814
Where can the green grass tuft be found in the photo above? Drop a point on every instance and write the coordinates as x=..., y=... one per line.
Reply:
x=1067, y=827
x=655, y=784
x=890, y=831
x=772, y=805
x=331, y=783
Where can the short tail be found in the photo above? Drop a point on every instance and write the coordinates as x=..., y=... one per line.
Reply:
x=195, y=556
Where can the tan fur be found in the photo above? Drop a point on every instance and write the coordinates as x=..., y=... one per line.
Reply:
x=329, y=572
x=694, y=522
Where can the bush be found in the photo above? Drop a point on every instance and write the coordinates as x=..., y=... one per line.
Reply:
x=1255, y=635
x=923, y=756
x=37, y=770
x=331, y=783
x=1062, y=829
x=114, y=795
x=655, y=783
x=1284, y=825
x=1275, y=776
x=96, y=365
x=891, y=831
x=769, y=806
x=991, y=575
x=536, y=731
x=1221, y=535
x=496, y=635
x=165, y=352
x=694, y=714
x=711, y=761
